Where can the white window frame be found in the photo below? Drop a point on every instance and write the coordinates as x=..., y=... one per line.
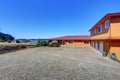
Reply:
x=99, y=28
x=91, y=33
x=86, y=42
x=71, y=41
x=108, y=23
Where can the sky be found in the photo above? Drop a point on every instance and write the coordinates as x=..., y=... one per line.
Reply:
x=52, y=18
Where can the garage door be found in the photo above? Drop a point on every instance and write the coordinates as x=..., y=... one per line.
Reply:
x=101, y=47
x=92, y=44
x=96, y=45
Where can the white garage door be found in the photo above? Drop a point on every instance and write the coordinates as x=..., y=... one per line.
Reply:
x=101, y=47
x=96, y=45
x=92, y=44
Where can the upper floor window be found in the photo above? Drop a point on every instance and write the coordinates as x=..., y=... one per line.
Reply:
x=71, y=42
x=107, y=24
x=100, y=28
x=94, y=30
x=91, y=33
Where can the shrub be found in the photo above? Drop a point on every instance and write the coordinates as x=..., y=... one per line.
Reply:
x=104, y=54
x=1, y=40
x=26, y=41
x=9, y=41
x=42, y=43
x=17, y=41
x=54, y=44
x=32, y=46
x=113, y=56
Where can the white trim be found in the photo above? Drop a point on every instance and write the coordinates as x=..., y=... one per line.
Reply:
x=108, y=24
x=98, y=28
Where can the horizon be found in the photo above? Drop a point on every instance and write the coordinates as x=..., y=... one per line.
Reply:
x=43, y=19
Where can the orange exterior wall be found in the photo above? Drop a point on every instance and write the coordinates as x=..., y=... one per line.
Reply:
x=115, y=47
x=105, y=31
x=113, y=32
x=77, y=43
x=115, y=27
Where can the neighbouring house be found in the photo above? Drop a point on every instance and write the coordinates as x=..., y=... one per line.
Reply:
x=105, y=35
x=73, y=41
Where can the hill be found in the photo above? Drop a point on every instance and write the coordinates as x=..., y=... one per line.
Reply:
x=5, y=37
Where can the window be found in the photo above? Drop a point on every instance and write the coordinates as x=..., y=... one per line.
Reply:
x=100, y=28
x=94, y=30
x=92, y=33
x=71, y=42
x=107, y=24
x=86, y=42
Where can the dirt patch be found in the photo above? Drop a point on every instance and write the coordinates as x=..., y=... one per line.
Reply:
x=11, y=48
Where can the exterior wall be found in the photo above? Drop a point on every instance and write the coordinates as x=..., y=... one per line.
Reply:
x=104, y=30
x=104, y=34
x=76, y=43
x=115, y=26
x=113, y=31
x=106, y=45
x=115, y=47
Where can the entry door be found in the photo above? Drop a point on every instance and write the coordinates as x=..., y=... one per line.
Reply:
x=101, y=47
x=63, y=42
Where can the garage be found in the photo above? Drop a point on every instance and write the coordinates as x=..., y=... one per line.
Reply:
x=96, y=45
x=101, y=47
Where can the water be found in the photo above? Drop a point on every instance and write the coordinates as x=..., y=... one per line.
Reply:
x=33, y=40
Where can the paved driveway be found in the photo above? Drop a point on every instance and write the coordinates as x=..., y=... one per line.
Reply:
x=57, y=64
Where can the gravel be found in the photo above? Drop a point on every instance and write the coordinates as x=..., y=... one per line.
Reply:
x=64, y=63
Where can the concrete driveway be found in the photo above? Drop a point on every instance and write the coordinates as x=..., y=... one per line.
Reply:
x=62, y=63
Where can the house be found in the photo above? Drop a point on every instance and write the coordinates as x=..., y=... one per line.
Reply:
x=73, y=41
x=105, y=35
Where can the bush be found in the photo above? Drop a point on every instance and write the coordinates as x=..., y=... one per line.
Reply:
x=42, y=43
x=104, y=54
x=1, y=40
x=113, y=56
x=17, y=41
x=32, y=46
x=26, y=41
x=9, y=41
x=54, y=44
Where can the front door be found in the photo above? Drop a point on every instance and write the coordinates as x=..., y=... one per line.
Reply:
x=63, y=42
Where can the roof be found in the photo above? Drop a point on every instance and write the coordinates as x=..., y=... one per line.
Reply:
x=82, y=37
x=105, y=18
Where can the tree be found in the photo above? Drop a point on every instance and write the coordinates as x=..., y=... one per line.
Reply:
x=26, y=41
x=6, y=37
x=42, y=43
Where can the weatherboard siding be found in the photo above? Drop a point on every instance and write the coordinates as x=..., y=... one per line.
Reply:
x=76, y=43
x=109, y=36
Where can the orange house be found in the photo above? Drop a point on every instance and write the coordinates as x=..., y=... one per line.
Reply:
x=105, y=35
x=73, y=41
